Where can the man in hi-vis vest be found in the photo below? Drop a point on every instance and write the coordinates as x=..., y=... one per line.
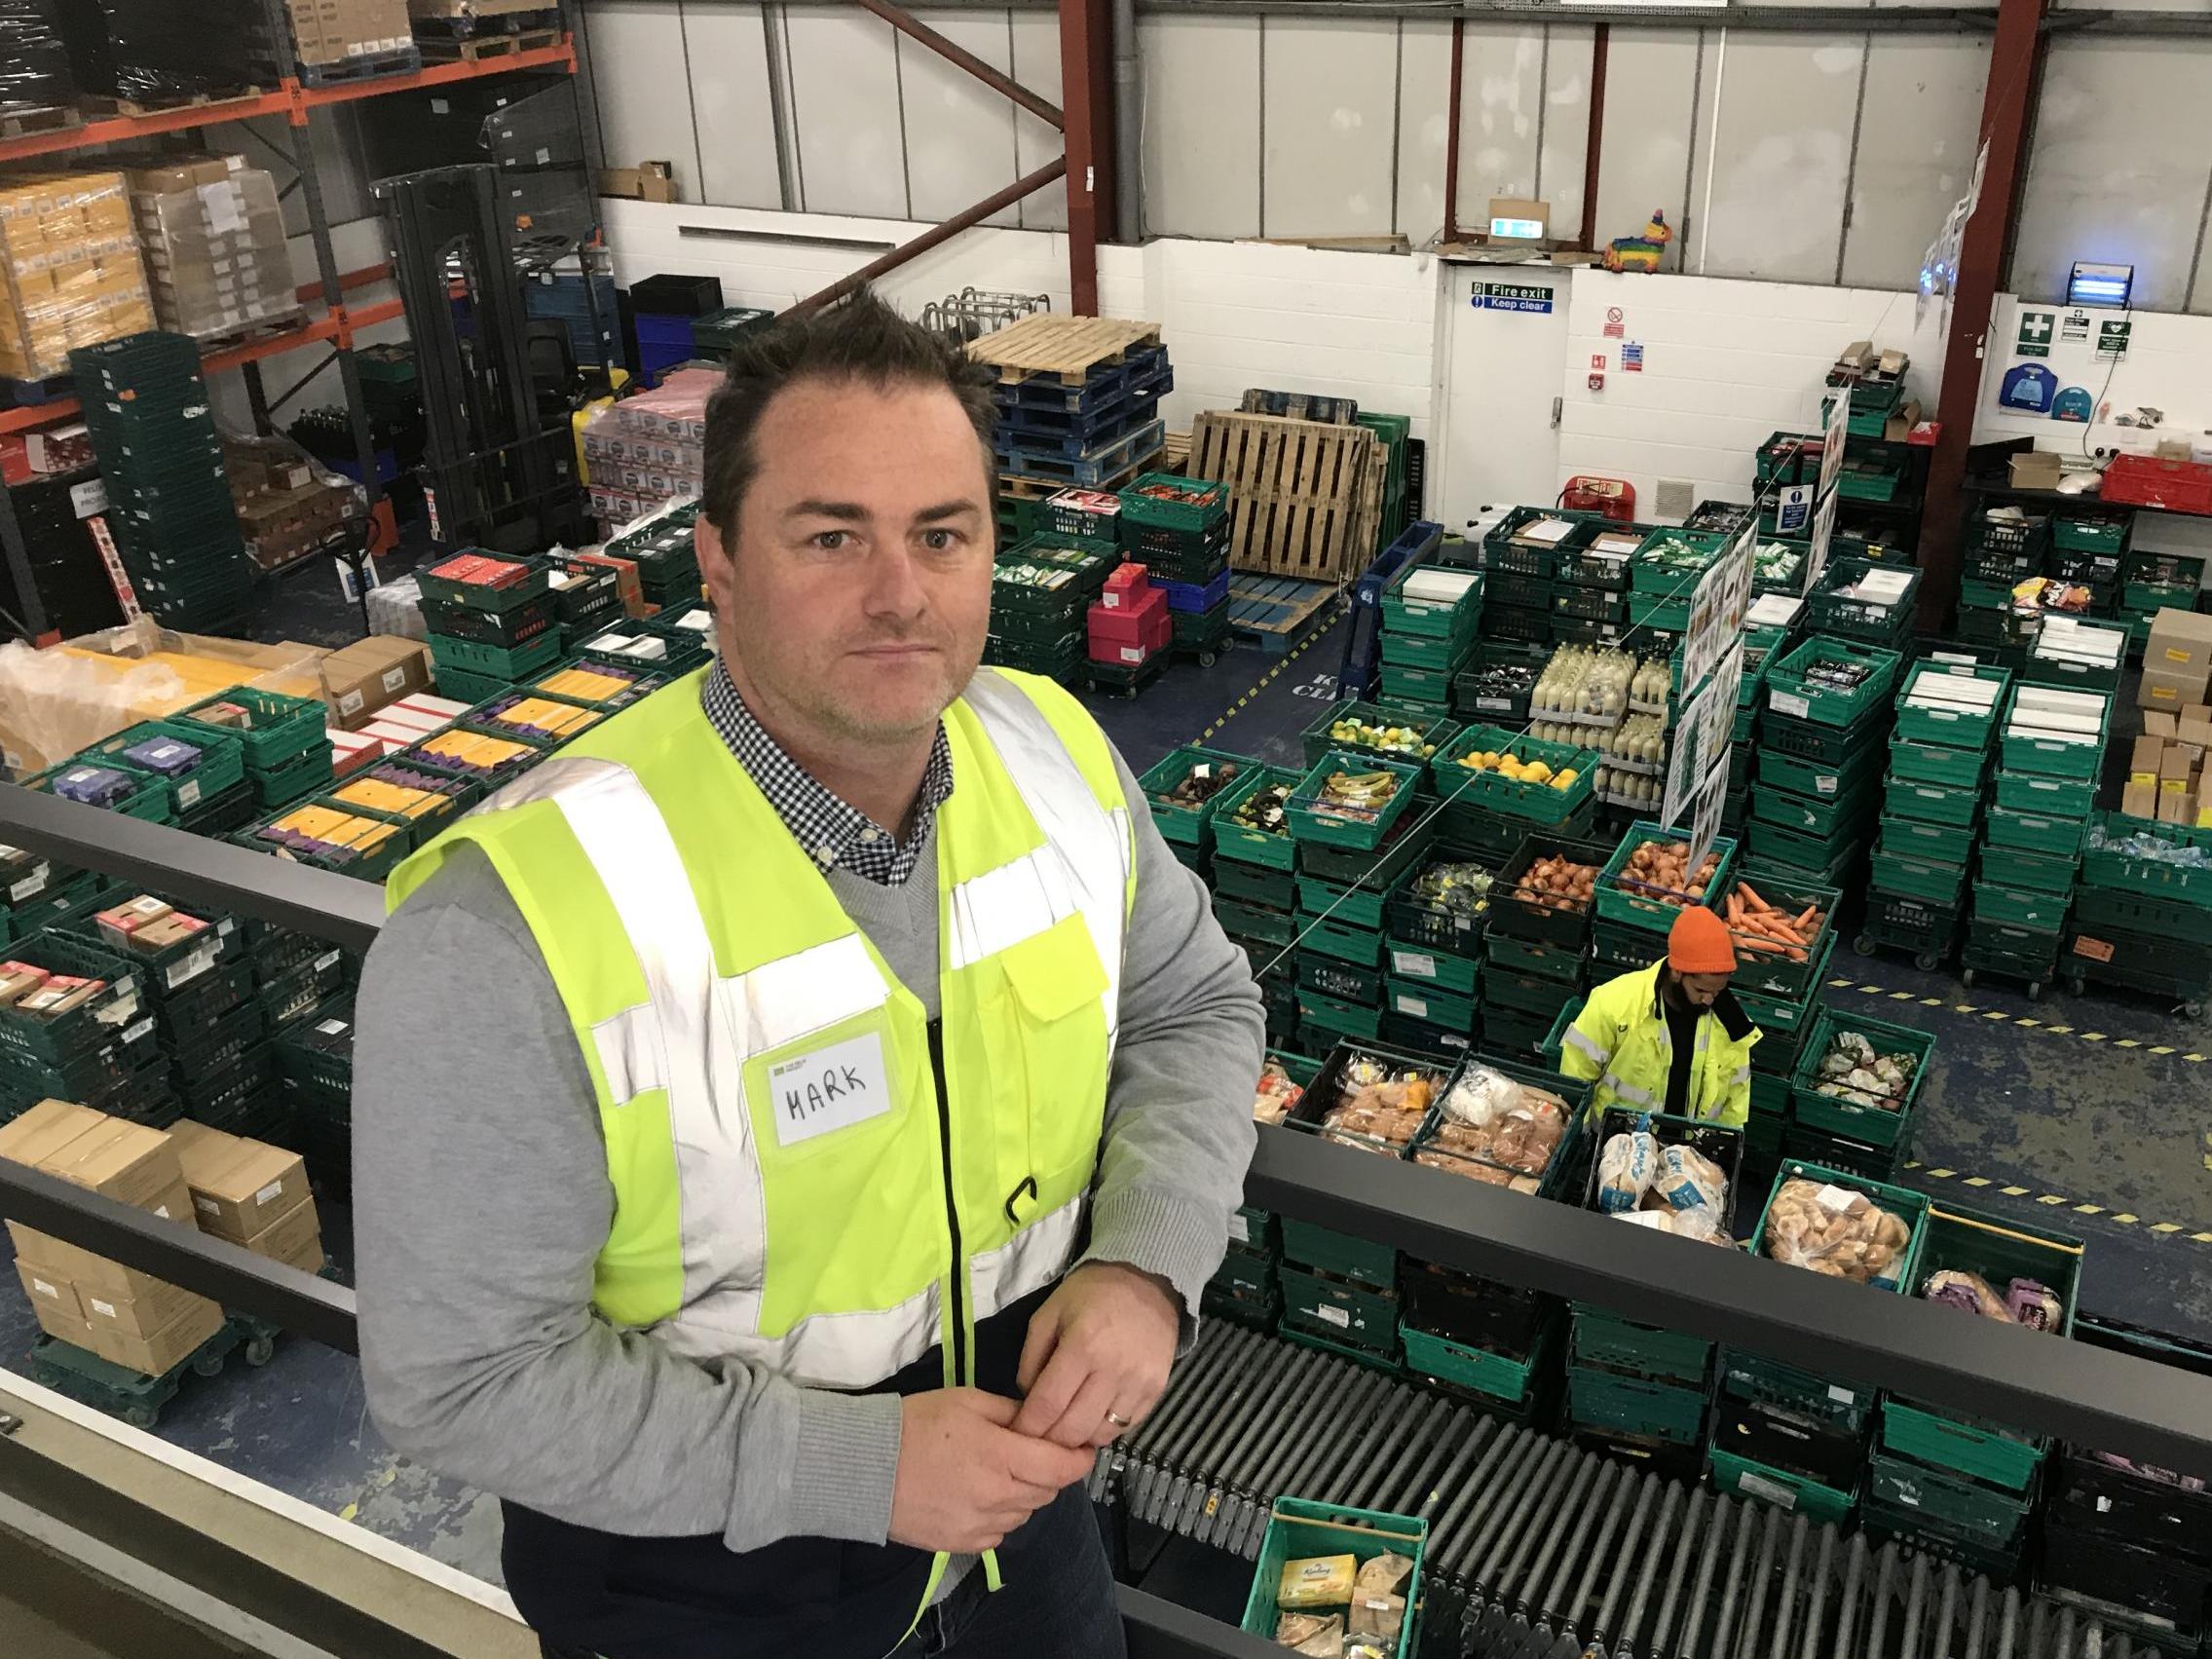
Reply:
x=796, y=1121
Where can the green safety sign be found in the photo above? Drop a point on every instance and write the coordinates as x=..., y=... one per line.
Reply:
x=2036, y=330
x=2112, y=337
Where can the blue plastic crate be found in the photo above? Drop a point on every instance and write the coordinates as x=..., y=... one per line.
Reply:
x=1196, y=596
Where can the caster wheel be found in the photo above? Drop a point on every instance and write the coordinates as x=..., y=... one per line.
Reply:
x=2077, y=986
x=1207, y=658
x=208, y=1365
x=2194, y=1010
x=1864, y=945
x=260, y=1350
x=1967, y=977
x=141, y=1417
x=2036, y=990
x=1129, y=695
x=1926, y=963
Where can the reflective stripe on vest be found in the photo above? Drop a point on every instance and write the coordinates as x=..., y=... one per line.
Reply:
x=695, y=1033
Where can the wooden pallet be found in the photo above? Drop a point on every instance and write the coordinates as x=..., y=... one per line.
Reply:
x=1066, y=348
x=1015, y=486
x=475, y=49
x=1174, y=454
x=28, y=120
x=98, y=108
x=1275, y=611
x=472, y=8
x=1305, y=499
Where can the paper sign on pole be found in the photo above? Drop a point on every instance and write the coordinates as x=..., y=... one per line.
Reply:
x=1704, y=821
x=1835, y=427
x=1688, y=760
x=1823, y=532
x=1716, y=608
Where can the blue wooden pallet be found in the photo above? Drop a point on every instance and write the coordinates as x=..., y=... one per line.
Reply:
x=1276, y=612
x=1079, y=439
x=1094, y=466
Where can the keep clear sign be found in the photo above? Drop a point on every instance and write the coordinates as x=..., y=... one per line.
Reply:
x=1512, y=296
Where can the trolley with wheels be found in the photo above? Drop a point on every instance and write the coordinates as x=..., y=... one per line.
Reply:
x=1928, y=932
x=1125, y=679
x=2028, y=955
x=2177, y=970
x=137, y=1397
x=1201, y=636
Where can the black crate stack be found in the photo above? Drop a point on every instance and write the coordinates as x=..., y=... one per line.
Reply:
x=169, y=500
x=72, y=583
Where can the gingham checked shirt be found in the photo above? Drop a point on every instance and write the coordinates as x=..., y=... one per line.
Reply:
x=830, y=832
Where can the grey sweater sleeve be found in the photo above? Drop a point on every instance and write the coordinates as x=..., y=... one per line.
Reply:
x=481, y=1201
x=1179, y=1131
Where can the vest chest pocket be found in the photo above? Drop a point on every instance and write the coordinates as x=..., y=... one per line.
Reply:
x=1044, y=1042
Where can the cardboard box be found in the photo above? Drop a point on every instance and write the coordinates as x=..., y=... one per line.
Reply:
x=2169, y=690
x=44, y=1130
x=143, y=1316
x=2180, y=643
x=2177, y=761
x=167, y=1349
x=2037, y=470
x=289, y=1236
x=2158, y=724
x=2139, y=799
x=51, y=1292
x=2195, y=726
x=2145, y=759
x=2176, y=806
x=361, y=679
x=648, y=181
x=122, y=1160
x=239, y=1188
x=121, y=922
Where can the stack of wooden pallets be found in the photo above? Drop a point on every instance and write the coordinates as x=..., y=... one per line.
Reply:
x=1305, y=497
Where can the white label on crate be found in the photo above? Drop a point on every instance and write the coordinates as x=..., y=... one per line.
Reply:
x=1825, y=785
x=89, y=498
x=193, y=965
x=1497, y=704
x=31, y=886
x=1240, y=1230
x=828, y=1089
x=351, y=703
x=162, y=1210
x=1842, y=1396
x=105, y=1310
x=1413, y=1005
x=207, y=1203
x=544, y=156
x=1132, y=654
x=1773, y=1491
x=1784, y=702
x=1335, y=1316
x=225, y=927
x=269, y=1193
x=332, y=1028
x=188, y=792
x=395, y=679
x=1413, y=962
x=1835, y=1198
x=2104, y=1504
x=327, y=959
x=132, y=1034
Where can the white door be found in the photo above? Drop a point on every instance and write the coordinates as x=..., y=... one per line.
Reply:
x=1504, y=357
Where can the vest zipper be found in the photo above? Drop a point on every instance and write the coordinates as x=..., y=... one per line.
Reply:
x=959, y=1273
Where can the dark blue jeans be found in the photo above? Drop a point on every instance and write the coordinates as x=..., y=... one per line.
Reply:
x=1056, y=1602
x=1056, y=1599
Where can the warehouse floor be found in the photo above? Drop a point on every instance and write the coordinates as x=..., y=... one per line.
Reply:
x=2088, y=1114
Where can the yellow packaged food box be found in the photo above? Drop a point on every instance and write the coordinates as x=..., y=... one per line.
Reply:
x=1318, y=1581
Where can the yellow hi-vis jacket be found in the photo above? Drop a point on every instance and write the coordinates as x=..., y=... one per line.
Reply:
x=1620, y=1043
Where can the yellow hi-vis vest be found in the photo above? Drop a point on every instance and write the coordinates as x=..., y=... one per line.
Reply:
x=799, y=1182
x=1620, y=1043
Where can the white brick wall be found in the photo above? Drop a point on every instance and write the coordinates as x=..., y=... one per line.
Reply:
x=1726, y=363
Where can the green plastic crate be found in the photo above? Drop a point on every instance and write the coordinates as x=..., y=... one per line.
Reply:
x=1360, y=828
x=1318, y=740
x=221, y=764
x=1789, y=693
x=1536, y=802
x=1909, y=1207
x=1416, y=967
x=1426, y=689
x=1873, y=1126
x=1966, y=1509
x=279, y=728
x=1771, y=973
x=1645, y=909
x=1332, y=1021
x=1934, y=763
x=1261, y=923
x=1605, y=1400
x=2034, y=831
x=2019, y=906
x=1461, y=1365
x=1343, y=1255
x=1932, y=803
x=2051, y=797
x=1601, y=1338
x=2105, y=863
x=495, y=661
x=2054, y=873
x=1191, y=825
x=1451, y=620
x=1818, y=779
x=1784, y=1015
x=149, y=800
x=1556, y=962
x=1346, y=904
x=1359, y=946
x=1962, y=728
x=1424, y=1001
x=1824, y=819
x=1298, y=1528
x=1821, y=1504
x=1275, y=849
x=1918, y=838
x=1255, y=883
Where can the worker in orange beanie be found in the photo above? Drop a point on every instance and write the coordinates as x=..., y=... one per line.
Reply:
x=1670, y=1037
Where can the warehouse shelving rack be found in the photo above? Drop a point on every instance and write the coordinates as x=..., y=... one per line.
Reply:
x=338, y=323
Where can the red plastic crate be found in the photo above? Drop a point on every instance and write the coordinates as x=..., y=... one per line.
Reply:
x=2144, y=480
x=1141, y=629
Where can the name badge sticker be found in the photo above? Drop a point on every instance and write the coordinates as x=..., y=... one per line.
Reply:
x=830, y=1089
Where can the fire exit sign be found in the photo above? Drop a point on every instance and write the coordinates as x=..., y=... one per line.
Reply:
x=1512, y=296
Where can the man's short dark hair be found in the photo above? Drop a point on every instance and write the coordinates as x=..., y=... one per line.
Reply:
x=863, y=340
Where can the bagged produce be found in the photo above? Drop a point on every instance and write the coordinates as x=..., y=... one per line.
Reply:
x=1276, y=1097
x=1320, y=1635
x=1834, y=1231
x=1625, y=1167
x=1382, y=1575
x=1851, y=1071
x=1688, y=1180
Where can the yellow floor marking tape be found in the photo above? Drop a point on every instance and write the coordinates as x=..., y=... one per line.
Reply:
x=1263, y=682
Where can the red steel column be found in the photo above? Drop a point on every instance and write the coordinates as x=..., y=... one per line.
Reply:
x=1451, y=135
x=2015, y=64
x=1086, y=96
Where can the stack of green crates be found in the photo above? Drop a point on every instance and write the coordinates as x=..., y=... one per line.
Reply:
x=1429, y=618
x=1999, y=549
x=1664, y=577
x=1340, y=1291
x=203, y=772
x=169, y=500
x=1037, y=606
x=716, y=333
x=1536, y=957
x=315, y=1063
x=34, y=890
x=1791, y=1437
x=2151, y=582
x=1394, y=431
x=2031, y=847
x=1958, y=1487
x=2090, y=546
x=1936, y=791
x=1347, y=860
x=285, y=743
x=1590, y=597
x=1434, y=921
x=1245, y=1287
x=1782, y=997
x=1185, y=822
x=1641, y=1388
x=1867, y=1136
x=1874, y=602
x=2141, y=921
x=1178, y=528
x=486, y=635
x=1821, y=739
x=1386, y=730
x=1255, y=887
x=1771, y=630
x=1519, y=560
x=665, y=556
x=101, y=1053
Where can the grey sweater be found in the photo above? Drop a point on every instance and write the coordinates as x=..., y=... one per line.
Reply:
x=481, y=1201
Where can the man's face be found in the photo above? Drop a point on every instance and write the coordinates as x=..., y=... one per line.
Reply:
x=1698, y=990
x=855, y=592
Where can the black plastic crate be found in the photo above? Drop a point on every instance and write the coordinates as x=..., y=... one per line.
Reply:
x=671, y=295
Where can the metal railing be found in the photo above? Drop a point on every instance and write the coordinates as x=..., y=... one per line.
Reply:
x=2094, y=1397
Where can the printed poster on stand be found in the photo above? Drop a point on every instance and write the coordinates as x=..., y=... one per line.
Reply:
x=1716, y=608
x=1835, y=427
x=1704, y=821
x=1688, y=760
x=1823, y=533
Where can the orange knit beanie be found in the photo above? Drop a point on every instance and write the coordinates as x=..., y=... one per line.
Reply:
x=1697, y=943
